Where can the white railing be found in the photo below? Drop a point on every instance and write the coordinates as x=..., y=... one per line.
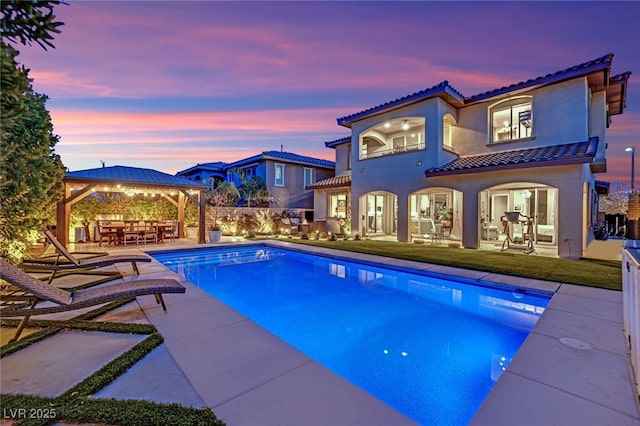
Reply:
x=631, y=303
x=392, y=151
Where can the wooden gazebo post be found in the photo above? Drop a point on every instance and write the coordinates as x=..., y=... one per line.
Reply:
x=63, y=217
x=63, y=211
x=182, y=201
x=201, y=217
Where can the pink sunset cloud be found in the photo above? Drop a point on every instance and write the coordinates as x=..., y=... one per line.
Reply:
x=77, y=122
x=233, y=59
x=179, y=139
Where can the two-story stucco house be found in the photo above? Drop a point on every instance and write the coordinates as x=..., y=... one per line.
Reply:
x=285, y=174
x=439, y=161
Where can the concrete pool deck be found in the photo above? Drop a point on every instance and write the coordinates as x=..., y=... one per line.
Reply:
x=215, y=357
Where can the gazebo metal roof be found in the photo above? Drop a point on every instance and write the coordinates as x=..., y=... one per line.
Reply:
x=131, y=177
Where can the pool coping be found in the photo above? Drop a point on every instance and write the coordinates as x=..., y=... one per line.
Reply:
x=573, y=367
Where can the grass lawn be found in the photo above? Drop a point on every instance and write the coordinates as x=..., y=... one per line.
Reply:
x=593, y=273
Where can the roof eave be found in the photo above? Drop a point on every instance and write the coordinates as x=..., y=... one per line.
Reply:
x=300, y=162
x=618, y=82
x=335, y=185
x=244, y=161
x=603, y=66
x=101, y=181
x=341, y=141
x=441, y=90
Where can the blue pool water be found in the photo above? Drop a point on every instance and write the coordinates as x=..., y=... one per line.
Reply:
x=430, y=346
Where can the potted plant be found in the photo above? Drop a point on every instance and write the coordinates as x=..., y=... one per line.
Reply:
x=214, y=233
x=445, y=215
x=191, y=230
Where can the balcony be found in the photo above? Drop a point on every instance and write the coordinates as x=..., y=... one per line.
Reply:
x=392, y=151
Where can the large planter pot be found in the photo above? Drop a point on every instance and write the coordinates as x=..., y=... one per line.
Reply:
x=214, y=236
x=192, y=232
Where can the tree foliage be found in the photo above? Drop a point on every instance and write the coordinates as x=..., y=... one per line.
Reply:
x=23, y=22
x=225, y=195
x=617, y=201
x=30, y=172
x=26, y=22
x=255, y=192
x=135, y=207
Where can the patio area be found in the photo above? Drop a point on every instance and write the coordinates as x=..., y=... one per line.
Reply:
x=573, y=368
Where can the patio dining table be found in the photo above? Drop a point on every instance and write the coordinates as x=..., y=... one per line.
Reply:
x=119, y=228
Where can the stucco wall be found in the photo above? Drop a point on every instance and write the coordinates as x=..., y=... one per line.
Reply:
x=598, y=122
x=342, y=158
x=560, y=115
x=320, y=200
x=293, y=194
x=569, y=180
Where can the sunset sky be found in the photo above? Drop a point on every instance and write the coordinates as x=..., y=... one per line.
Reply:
x=166, y=85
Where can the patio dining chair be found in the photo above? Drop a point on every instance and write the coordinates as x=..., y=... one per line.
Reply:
x=149, y=231
x=132, y=231
x=167, y=229
x=110, y=236
x=23, y=304
x=73, y=264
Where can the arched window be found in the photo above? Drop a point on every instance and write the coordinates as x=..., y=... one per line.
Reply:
x=448, y=123
x=511, y=119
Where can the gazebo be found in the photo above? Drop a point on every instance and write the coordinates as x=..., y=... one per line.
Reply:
x=129, y=180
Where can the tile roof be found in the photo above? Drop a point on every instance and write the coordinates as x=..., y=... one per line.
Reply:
x=217, y=166
x=131, y=175
x=571, y=153
x=438, y=89
x=284, y=156
x=456, y=98
x=332, y=182
x=571, y=72
x=333, y=144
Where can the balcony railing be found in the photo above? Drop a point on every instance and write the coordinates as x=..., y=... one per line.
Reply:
x=392, y=151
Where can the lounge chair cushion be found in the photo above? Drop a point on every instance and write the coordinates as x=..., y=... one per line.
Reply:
x=111, y=292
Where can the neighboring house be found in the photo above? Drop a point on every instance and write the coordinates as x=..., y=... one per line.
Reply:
x=285, y=174
x=531, y=147
x=210, y=173
x=332, y=196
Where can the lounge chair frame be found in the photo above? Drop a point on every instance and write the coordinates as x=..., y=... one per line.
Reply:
x=74, y=264
x=37, y=291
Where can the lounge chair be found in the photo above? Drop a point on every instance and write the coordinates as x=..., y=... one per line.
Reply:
x=64, y=300
x=74, y=264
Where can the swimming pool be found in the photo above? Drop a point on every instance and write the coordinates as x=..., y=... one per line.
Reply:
x=431, y=346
